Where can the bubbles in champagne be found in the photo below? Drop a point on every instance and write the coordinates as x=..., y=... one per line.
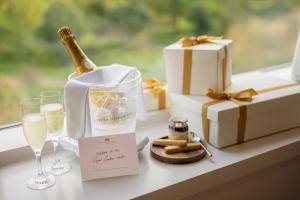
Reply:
x=54, y=114
x=34, y=127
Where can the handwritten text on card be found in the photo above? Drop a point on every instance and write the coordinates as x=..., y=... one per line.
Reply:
x=108, y=156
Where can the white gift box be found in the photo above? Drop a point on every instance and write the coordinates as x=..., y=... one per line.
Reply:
x=267, y=113
x=210, y=67
x=153, y=103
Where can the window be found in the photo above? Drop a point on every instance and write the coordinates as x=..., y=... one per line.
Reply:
x=131, y=32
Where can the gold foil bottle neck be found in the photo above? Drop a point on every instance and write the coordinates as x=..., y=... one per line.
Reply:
x=65, y=33
x=81, y=62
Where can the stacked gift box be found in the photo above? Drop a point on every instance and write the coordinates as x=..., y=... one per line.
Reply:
x=155, y=95
x=222, y=109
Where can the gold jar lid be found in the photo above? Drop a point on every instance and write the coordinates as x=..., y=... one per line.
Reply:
x=178, y=124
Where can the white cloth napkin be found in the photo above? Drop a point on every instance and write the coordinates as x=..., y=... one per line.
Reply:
x=76, y=97
x=296, y=61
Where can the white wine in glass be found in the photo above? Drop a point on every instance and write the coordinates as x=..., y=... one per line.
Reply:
x=54, y=114
x=34, y=128
x=52, y=109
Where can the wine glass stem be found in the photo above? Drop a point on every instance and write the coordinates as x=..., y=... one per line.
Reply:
x=55, y=144
x=38, y=155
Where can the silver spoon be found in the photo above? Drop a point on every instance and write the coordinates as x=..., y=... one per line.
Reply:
x=195, y=138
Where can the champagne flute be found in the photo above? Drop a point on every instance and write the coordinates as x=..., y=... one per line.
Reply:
x=34, y=128
x=52, y=109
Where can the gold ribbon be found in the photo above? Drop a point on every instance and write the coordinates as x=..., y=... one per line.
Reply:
x=244, y=95
x=241, y=99
x=188, y=43
x=157, y=90
x=202, y=39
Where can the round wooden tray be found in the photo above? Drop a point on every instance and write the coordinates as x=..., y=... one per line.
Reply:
x=158, y=153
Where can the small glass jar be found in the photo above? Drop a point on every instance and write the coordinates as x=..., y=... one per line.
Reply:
x=178, y=128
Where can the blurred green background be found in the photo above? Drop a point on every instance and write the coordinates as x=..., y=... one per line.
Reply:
x=131, y=32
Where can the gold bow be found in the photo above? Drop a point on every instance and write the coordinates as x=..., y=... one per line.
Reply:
x=244, y=95
x=239, y=98
x=202, y=39
x=154, y=85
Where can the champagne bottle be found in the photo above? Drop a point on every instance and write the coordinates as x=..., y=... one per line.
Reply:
x=81, y=62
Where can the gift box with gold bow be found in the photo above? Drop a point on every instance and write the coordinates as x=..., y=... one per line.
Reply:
x=256, y=105
x=155, y=94
x=195, y=64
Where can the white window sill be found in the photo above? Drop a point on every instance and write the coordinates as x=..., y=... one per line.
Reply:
x=156, y=180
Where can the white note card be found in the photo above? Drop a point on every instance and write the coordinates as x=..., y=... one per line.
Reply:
x=108, y=156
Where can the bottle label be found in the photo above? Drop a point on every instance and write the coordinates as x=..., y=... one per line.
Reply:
x=87, y=64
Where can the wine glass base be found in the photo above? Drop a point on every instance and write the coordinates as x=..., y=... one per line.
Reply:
x=41, y=182
x=60, y=168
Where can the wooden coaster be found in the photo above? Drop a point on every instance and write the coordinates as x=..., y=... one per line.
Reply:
x=158, y=153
